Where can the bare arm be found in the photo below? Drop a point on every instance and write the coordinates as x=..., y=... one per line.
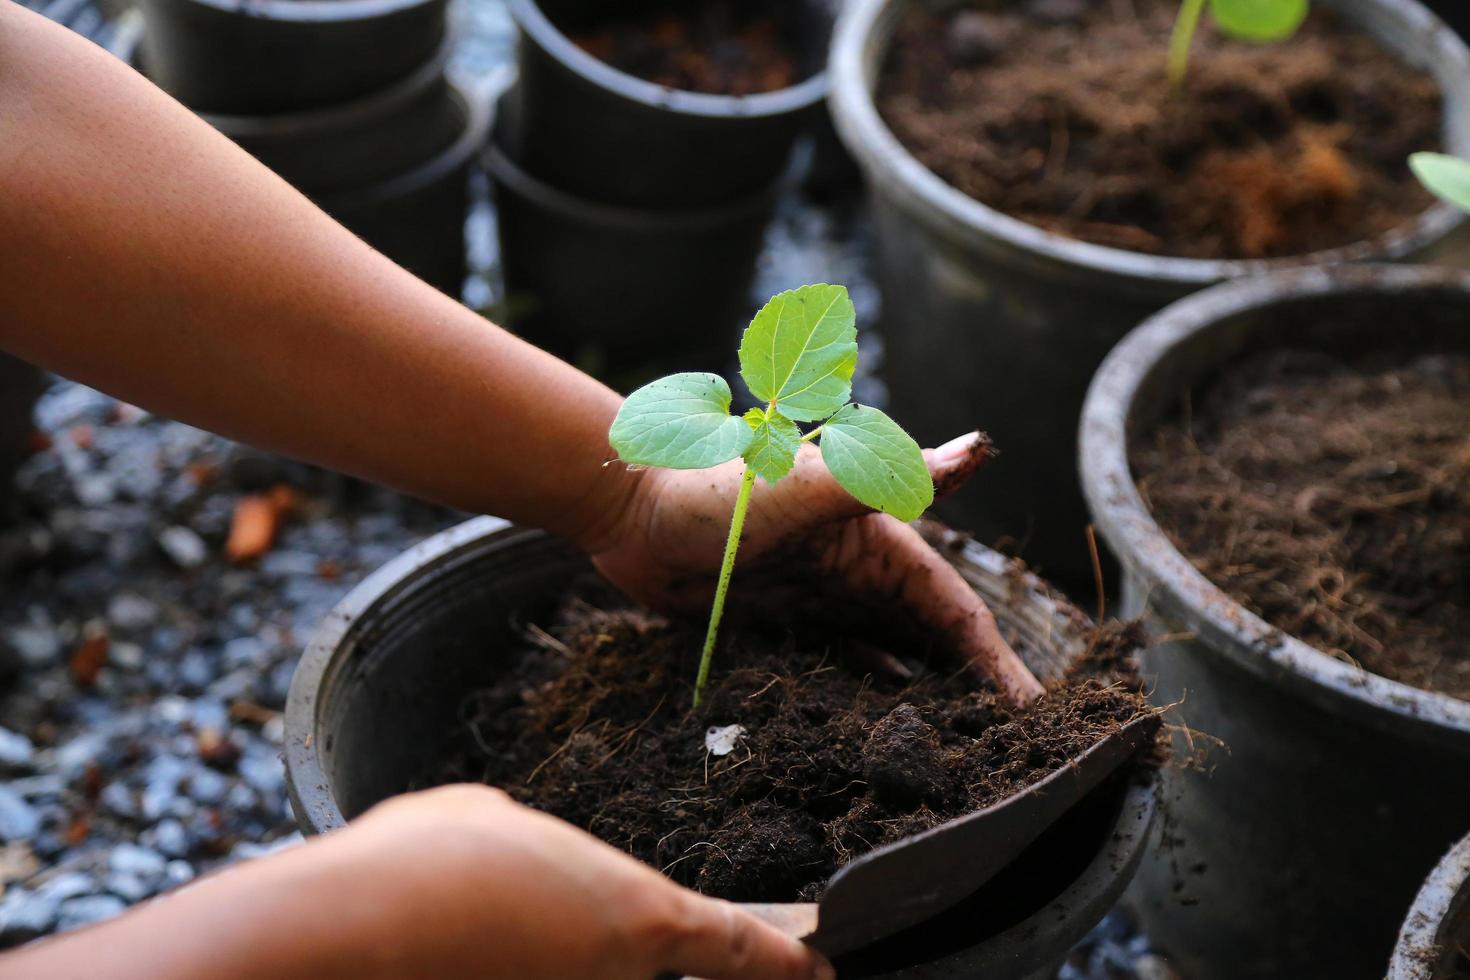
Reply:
x=143, y=253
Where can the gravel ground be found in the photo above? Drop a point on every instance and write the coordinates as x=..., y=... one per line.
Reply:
x=142, y=672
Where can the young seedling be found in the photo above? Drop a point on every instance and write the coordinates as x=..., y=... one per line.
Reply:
x=797, y=356
x=1444, y=176
x=1260, y=21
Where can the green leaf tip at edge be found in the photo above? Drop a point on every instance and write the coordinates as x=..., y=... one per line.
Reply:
x=800, y=351
x=772, y=452
x=1446, y=177
x=1261, y=21
x=681, y=422
x=877, y=462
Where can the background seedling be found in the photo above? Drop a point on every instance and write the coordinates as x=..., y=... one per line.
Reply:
x=1444, y=176
x=797, y=356
x=1260, y=21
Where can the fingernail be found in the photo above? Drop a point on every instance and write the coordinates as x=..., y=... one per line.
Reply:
x=956, y=450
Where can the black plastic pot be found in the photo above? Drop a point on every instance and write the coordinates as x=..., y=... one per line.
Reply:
x=20, y=384
x=1455, y=13
x=1297, y=848
x=1434, y=943
x=600, y=134
x=992, y=322
x=256, y=57
x=379, y=688
x=626, y=293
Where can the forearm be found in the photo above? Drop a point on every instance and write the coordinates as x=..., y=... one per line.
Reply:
x=143, y=253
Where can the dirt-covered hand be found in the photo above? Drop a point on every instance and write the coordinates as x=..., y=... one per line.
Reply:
x=453, y=883
x=666, y=545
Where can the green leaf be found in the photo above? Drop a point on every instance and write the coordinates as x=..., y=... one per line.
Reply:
x=773, y=450
x=800, y=351
x=877, y=462
x=1259, y=20
x=1447, y=177
x=682, y=422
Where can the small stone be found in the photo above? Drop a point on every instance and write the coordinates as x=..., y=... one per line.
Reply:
x=38, y=646
x=208, y=787
x=68, y=885
x=262, y=771
x=183, y=546
x=16, y=751
x=244, y=651
x=1153, y=967
x=18, y=819
x=26, y=914
x=126, y=656
x=128, y=887
x=136, y=860
x=286, y=564
x=131, y=613
x=196, y=672
x=179, y=872
x=87, y=909
x=975, y=37
x=170, y=837
x=118, y=800
x=95, y=489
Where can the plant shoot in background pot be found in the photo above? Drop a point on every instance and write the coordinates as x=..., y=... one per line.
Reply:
x=1446, y=177
x=797, y=356
x=1259, y=21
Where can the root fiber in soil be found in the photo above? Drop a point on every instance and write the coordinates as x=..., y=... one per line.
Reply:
x=1059, y=113
x=1330, y=495
x=717, y=47
x=594, y=726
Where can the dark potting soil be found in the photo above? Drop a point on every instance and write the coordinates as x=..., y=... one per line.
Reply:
x=1059, y=113
x=1331, y=496
x=594, y=726
x=719, y=47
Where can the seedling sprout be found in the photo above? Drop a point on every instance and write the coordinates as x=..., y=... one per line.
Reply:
x=1260, y=21
x=1444, y=176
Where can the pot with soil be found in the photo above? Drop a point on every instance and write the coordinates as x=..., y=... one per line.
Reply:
x=610, y=287
x=418, y=677
x=658, y=104
x=1039, y=189
x=1282, y=466
x=262, y=57
x=1434, y=943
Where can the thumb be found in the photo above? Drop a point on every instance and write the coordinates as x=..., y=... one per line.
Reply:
x=720, y=941
x=952, y=464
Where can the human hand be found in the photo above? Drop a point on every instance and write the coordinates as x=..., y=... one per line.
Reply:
x=455, y=882
x=665, y=547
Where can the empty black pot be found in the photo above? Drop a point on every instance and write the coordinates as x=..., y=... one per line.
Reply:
x=626, y=293
x=599, y=133
x=250, y=57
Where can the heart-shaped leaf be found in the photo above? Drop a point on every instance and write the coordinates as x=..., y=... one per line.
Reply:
x=800, y=351
x=773, y=450
x=1259, y=20
x=1447, y=177
x=682, y=422
x=877, y=462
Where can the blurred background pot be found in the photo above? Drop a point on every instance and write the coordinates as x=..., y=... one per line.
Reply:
x=1434, y=943
x=257, y=57
x=627, y=293
x=991, y=322
x=379, y=687
x=1295, y=849
x=604, y=135
x=20, y=385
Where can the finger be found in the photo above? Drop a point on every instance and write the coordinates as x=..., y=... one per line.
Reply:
x=811, y=495
x=879, y=555
x=721, y=941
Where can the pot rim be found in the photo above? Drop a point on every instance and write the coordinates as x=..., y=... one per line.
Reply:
x=1420, y=936
x=1173, y=583
x=312, y=11
x=315, y=807
x=933, y=201
x=535, y=24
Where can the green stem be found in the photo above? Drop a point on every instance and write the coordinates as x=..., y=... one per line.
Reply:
x=813, y=434
x=727, y=567
x=1182, y=39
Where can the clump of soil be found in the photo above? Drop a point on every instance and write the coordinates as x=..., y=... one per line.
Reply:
x=719, y=47
x=1331, y=497
x=1059, y=113
x=594, y=726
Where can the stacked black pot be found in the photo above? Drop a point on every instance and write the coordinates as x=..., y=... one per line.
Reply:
x=631, y=214
x=346, y=99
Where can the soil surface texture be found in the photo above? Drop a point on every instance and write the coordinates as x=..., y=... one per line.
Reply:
x=1059, y=113
x=594, y=726
x=717, y=47
x=1331, y=497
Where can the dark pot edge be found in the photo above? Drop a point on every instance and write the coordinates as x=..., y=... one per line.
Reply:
x=1175, y=586
x=1416, y=955
x=312, y=11
x=927, y=198
x=535, y=25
